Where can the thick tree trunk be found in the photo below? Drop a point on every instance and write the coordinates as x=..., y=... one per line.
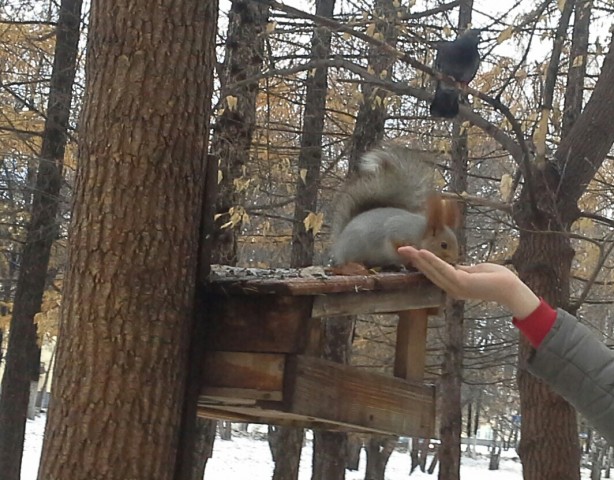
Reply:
x=203, y=447
x=329, y=449
x=547, y=207
x=310, y=155
x=286, y=445
x=549, y=445
x=378, y=451
x=129, y=292
x=234, y=128
x=329, y=455
x=23, y=354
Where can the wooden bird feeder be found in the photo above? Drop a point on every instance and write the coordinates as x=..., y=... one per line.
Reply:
x=263, y=342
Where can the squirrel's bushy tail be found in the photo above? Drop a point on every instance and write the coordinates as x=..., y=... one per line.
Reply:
x=391, y=175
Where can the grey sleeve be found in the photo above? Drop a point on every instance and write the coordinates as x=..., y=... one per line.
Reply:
x=580, y=367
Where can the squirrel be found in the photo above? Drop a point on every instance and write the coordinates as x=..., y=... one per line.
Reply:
x=390, y=203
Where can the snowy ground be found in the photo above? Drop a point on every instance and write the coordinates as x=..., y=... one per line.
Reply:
x=249, y=457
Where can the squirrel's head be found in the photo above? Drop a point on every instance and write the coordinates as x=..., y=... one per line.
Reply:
x=442, y=216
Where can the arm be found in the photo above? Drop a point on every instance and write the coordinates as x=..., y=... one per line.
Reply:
x=579, y=367
x=573, y=361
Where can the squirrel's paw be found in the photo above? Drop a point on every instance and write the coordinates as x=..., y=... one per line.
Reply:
x=351, y=268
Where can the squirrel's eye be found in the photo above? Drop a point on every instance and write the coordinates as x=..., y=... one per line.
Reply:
x=444, y=245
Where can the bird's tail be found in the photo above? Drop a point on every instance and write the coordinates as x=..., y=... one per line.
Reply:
x=445, y=102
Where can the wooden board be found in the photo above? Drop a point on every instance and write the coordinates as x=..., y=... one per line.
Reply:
x=419, y=296
x=244, y=376
x=346, y=395
x=266, y=323
x=289, y=282
x=410, y=352
x=319, y=394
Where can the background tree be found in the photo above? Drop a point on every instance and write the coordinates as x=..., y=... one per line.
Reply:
x=23, y=353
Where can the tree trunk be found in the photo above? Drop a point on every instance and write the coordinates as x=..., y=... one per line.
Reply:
x=329, y=455
x=352, y=451
x=286, y=445
x=451, y=423
x=547, y=207
x=203, y=447
x=329, y=448
x=307, y=185
x=128, y=303
x=378, y=450
x=372, y=113
x=310, y=155
x=232, y=138
x=574, y=90
x=23, y=354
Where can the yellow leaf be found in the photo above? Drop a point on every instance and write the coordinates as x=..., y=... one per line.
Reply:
x=447, y=31
x=346, y=35
x=539, y=138
x=220, y=176
x=561, y=4
x=396, y=3
x=505, y=34
x=314, y=222
x=505, y=187
x=270, y=27
x=231, y=101
x=303, y=174
x=378, y=36
x=578, y=61
x=371, y=29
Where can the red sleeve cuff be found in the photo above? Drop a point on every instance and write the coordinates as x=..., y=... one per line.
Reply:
x=537, y=325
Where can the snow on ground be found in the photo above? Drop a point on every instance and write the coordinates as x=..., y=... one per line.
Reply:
x=248, y=456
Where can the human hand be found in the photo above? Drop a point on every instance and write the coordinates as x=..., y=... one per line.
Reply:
x=485, y=281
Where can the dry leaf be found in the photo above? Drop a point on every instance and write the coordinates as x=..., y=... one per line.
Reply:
x=578, y=61
x=314, y=222
x=505, y=34
x=231, y=101
x=303, y=174
x=505, y=187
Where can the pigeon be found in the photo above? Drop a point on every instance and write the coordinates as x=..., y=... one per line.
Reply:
x=460, y=60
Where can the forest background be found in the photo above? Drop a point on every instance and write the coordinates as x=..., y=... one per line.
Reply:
x=298, y=95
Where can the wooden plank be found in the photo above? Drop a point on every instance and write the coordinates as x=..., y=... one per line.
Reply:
x=419, y=296
x=267, y=323
x=275, y=417
x=289, y=282
x=245, y=376
x=345, y=395
x=410, y=353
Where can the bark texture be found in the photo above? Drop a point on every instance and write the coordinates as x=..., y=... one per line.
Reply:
x=233, y=133
x=23, y=354
x=329, y=448
x=129, y=292
x=372, y=113
x=310, y=155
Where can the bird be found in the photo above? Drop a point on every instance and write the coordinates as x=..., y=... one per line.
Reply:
x=459, y=59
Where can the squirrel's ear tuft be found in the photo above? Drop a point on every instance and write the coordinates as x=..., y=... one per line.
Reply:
x=452, y=214
x=434, y=213
x=441, y=212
